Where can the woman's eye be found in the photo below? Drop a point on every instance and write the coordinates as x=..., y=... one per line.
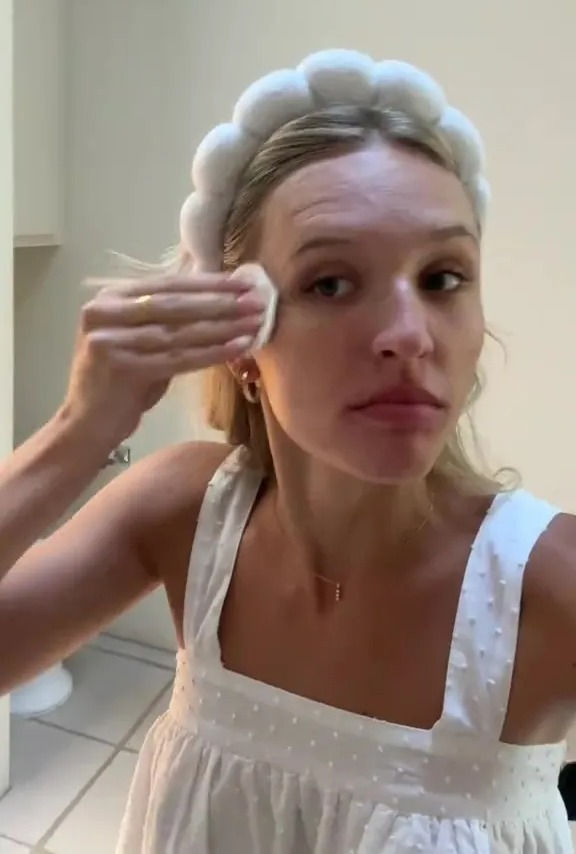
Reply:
x=443, y=281
x=331, y=287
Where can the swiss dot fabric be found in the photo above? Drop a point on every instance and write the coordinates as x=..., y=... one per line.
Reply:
x=239, y=767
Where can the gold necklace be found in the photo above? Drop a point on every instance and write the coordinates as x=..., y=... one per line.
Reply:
x=339, y=585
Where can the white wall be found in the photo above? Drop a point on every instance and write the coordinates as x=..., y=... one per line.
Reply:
x=128, y=91
x=6, y=299
x=147, y=79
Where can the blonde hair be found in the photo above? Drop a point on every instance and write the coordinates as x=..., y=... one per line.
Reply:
x=314, y=137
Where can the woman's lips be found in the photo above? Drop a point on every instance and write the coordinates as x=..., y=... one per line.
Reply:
x=405, y=407
x=402, y=416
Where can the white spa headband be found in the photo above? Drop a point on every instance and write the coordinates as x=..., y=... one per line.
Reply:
x=327, y=78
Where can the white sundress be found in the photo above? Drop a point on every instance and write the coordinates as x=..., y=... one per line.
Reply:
x=239, y=767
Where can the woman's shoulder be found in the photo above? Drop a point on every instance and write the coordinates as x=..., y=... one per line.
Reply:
x=163, y=492
x=168, y=488
x=549, y=602
x=196, y=459
x=176, y=478
x=551, y=568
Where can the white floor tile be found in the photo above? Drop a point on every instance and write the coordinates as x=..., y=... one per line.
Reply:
x=571, y=740
x=9, y=847
x=92, y=826
x=136, y=741
x=110, y=693
x=163, y=657
x=49, y=768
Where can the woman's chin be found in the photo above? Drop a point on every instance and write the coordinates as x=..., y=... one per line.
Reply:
x=401, y=460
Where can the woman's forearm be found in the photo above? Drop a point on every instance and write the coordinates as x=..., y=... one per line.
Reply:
x=43, y=477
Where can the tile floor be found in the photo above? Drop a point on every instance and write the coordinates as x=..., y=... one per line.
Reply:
x=71, y=769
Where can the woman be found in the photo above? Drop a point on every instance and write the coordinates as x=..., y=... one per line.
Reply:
x=355, y=671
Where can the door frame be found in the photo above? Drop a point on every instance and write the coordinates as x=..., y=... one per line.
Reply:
x=6, y=301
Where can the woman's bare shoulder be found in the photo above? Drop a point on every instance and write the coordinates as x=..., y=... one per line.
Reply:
x=549, y=601
x=173, y=481
x=186, y=467
x=553, y=560
x=169, y=490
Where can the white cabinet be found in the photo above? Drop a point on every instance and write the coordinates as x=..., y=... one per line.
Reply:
x=38, y=121
x=6, y=301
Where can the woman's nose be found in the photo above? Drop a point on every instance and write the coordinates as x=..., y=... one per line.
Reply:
x=403, y=323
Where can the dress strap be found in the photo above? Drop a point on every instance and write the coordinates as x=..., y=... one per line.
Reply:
x=225, y=511
x=485, y=635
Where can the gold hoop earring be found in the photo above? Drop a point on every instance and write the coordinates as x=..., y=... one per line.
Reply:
x=250, y=389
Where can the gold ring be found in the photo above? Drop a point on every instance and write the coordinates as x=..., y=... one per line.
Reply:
x=143, y=307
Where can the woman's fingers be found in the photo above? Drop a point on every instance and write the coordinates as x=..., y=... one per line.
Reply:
x=168, y=308
x=204, y=282
x=155, y=366
x=155, y=338
x=159, y=327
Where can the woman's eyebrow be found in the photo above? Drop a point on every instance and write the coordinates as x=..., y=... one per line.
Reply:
x=437, y=233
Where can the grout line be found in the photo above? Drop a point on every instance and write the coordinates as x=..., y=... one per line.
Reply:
x=139, y=643
x=70, y=731
x=136, y=726
x=13, y=839
x=120, y=747
x=167, y=667
x=7, y=792
x=76, y=800
x=25, y=845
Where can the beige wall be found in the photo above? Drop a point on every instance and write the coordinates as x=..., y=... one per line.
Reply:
x=6, y=296
x=128, y=87
x=146, y=79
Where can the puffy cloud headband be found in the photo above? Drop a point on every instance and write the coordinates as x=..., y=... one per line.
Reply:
x=323, y=79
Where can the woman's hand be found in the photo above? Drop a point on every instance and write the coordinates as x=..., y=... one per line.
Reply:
x=136, y=335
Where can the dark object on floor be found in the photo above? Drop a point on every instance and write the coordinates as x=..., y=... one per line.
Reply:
x=567, y=786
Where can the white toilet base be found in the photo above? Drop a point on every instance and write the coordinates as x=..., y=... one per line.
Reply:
x=43, y=694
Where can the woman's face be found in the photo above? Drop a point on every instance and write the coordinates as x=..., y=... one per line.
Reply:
x=377, y=261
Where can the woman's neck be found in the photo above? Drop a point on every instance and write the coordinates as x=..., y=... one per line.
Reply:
x=329, y=515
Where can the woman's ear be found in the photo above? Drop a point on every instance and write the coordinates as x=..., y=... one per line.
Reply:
x=244, y=370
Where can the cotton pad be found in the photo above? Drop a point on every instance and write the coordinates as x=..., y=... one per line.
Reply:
x=255, y=275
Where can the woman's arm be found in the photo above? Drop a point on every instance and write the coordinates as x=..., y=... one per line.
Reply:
x=68, y=587
x=549, y=620
x=43, y=477
x=134, y=338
